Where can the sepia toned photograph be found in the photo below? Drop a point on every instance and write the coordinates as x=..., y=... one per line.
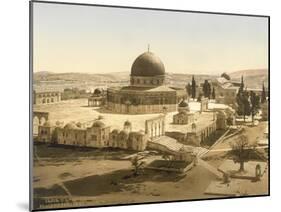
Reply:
x=139, y=105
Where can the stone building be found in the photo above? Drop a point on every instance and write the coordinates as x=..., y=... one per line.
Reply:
x=45, y=132
x=71, y=134
x=97, y=99
x=148, y=91
x=137, y=141
x=184, y=116
x=201, y=132
x=98, y=135
x=226, y=90
x=196, y=132
x=127, y=139
x=46, y=97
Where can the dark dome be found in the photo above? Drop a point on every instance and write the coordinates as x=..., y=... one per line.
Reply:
x=70, y=126
x=98, y=124
x=97, y=91
x=147, y=65
x=127, y=123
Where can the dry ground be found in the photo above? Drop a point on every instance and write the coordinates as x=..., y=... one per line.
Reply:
x=97, y=181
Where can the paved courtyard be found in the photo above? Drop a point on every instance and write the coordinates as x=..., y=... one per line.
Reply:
x=77, y=110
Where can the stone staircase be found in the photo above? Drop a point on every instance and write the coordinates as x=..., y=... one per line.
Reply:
x=169, y=145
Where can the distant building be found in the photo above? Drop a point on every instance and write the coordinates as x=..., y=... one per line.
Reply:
x=46, y=97
x=74, y=93
x=225, y=90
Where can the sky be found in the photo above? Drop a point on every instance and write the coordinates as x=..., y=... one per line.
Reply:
x=87, y=39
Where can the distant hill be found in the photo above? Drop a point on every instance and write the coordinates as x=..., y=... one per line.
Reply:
x=253, y=78
x=82, y=77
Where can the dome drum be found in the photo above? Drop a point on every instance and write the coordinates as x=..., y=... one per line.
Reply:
x=142, y=81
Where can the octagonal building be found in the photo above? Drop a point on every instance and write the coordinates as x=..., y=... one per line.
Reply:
x=148, y=91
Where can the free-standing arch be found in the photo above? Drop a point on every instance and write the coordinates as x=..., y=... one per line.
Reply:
x=39, y=118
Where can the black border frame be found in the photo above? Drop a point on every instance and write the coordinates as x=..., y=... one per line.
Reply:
x=31, y=2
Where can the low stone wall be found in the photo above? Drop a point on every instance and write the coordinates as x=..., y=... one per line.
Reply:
x=181, y=170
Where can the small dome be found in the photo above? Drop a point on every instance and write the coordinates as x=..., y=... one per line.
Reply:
x=183, y=112
x=127, y=123
x=97, y=91
x=70, y=126
x=147, y=65
x=98, y=124
x=123, y=132
x=116, y=131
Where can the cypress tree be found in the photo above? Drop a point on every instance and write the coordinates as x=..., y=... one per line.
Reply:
x=263, y=94
x=241, y=89
x=188, y=89
x=193, y=88
x=213, y=94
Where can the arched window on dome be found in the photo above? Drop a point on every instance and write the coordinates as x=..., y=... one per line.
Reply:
x=138, y=81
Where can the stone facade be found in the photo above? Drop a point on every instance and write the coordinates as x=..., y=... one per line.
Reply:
x=199, y=135
x=183, y=118
x=98, y=136
x=45, y=132
x=46, y=97
x=225, y=90
x=129, y=100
